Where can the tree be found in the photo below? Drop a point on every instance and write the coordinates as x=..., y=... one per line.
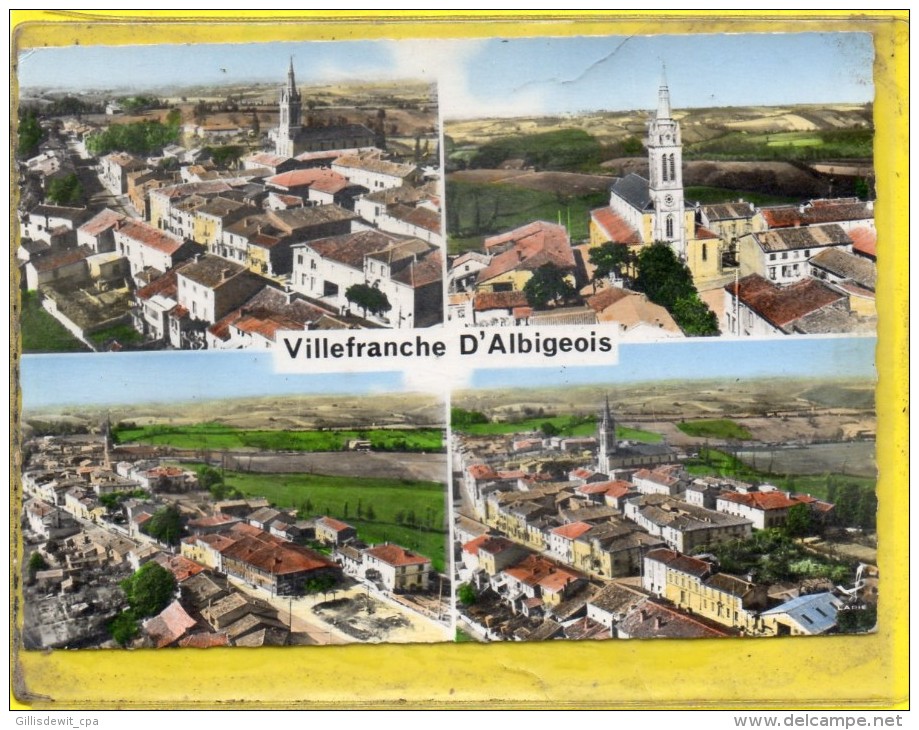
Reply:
x=549, y=429
x=857, y=620
x=662, y=276
x=799, y=521
x=165, y=525
x=123, y=627
x=36, y=563
x=368, y=298
x=30, y=134
x=610, y=258
x=208, y=477
x=149, y=590
x=547, y=285
x=695, y=317
x=65, y=190
x=371, y=513
x=466, y=594
x=255, y=127
x=867, y=511
x=320, y=584
x=174, y=118
x=226, y=155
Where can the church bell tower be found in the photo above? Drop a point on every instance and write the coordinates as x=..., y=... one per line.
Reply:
x=606, y=436
x=289, y=120
x=665, y=160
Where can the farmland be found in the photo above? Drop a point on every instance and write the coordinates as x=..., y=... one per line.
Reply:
x=219, y=436
x=566, y=425
x=718, y=428
x=407, y=512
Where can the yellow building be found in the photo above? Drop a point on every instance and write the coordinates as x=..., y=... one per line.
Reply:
x=727, y=599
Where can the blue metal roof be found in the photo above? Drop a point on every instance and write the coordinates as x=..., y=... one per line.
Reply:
x=815, y=613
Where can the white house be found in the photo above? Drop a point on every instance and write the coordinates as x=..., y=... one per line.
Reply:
x=398, y=569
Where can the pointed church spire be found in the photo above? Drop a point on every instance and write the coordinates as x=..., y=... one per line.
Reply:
x=291, y=81
x=663, y=96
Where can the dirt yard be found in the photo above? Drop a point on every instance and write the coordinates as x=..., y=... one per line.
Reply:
x=561, y=183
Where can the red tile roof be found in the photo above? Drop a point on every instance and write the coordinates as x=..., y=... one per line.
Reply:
x=170, y=625
x=487, y=300
x=760, y=500
x=572, y=531
x=213, y=520
x=781, y=306
x=275, y=556
x=60, y=259
x=818, y=211
x=396, y=556
x=152, y=237
x=101, y=222
x=181, y=567
x=535, y=570
x=489, y=544
x=531, y=246
x=864, y=241
x=481, y=471
x=334, y=524
x=614, y=226
x=315, y=177
x=204, y=641
x=607, y=297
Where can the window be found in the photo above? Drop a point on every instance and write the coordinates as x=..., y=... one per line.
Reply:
x=672, y=173
x=772, y=272
x=784, y=255
x=669, y=232
x=664, y=168
x=705, y=252
x=772, y=257
x=807, y=253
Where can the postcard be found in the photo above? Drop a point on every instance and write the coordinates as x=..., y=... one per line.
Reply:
x=403, y=339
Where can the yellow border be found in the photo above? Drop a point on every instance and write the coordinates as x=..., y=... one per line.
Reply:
x=851, y=672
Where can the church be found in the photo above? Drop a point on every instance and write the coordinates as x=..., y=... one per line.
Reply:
x=293, y=139
x=645, y=211
x=613, y=454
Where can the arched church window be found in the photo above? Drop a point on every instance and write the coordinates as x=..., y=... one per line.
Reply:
x=664, y=167
x=669, y=226
x=672, y=169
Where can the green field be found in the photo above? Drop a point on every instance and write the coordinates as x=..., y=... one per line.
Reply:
x=711, y=196
x=341, y=497
x=812, y=145
x=484, y=209
x=43, y=333
x=712, y=462
x=566, y=425
x=719, y=428
x=124, y=334
x=220, y=436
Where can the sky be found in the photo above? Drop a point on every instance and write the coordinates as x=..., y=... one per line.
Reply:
x=698, y=359
x=505, y=77
x=148, y=377
x=123, y=378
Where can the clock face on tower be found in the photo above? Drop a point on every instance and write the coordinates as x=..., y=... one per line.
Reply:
x=668, y=199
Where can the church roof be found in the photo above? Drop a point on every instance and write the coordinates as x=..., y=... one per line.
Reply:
x=633, y=189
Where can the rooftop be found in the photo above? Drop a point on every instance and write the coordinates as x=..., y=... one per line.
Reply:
x=780, y=306
x=396, y=556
